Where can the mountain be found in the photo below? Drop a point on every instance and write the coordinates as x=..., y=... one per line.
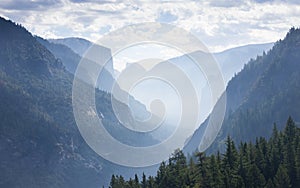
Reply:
x=78, y=45
x=232, y=61
x=266, y=91
x=36, y=149
x=70, y=59
x=40, y=144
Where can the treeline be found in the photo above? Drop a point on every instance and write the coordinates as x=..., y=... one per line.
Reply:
x=268, y=164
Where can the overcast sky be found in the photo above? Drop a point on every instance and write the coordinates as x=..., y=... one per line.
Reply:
x=220, y=24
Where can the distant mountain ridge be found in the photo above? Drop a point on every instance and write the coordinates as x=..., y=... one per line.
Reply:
x=72, y=50
x=78, y=45
x=231, y=61
x=266, y=91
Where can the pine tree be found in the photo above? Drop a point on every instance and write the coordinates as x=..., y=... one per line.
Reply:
x=201, y=178
x=298, y=160
x=144, y=181
x=255, y=177
x=214, y=177
x=270, y=184
x=289, y=152
x=261, y=155
x=113, y=182
x=192, y=171
x=162, y=176
x=230, y=164
x=151, y=182
x=244, y=162
x=290, y=131
x=122, y=182
x=130, y=183
x=136, y=181
x=275, y=154
x=282, y=179
x=177, y=169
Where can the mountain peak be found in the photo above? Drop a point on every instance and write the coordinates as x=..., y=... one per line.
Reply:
x=11, y=30
x=20, y=50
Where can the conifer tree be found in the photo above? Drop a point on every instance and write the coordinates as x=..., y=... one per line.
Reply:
x=282, y=179
x=144, y=181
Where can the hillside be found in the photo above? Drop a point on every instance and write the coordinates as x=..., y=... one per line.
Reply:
x=265, y=92
x=40, y=144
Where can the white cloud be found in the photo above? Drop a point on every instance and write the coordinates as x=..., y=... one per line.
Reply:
x=143, y=52
x=219, y=24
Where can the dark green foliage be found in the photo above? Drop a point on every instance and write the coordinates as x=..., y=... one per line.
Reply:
x=265, y=164
x=230, y=164
x=282, y=180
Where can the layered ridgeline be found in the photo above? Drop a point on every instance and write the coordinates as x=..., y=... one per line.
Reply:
x=40, y=144
x=230, y=61
x=71, y=59
x=71, y=51
x=78, y=45
x=265, y=92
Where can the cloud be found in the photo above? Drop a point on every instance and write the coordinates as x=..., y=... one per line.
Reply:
x=29, y=5
x=96, y=1
x=227, y=3
x=263, y=1
x=219, y=24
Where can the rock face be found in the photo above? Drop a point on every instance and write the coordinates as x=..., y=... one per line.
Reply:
x=80, y=46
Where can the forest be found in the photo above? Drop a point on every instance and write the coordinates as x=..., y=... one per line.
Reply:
x=266, y=163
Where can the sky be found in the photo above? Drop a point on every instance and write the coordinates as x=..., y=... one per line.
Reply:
x=219, y=24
